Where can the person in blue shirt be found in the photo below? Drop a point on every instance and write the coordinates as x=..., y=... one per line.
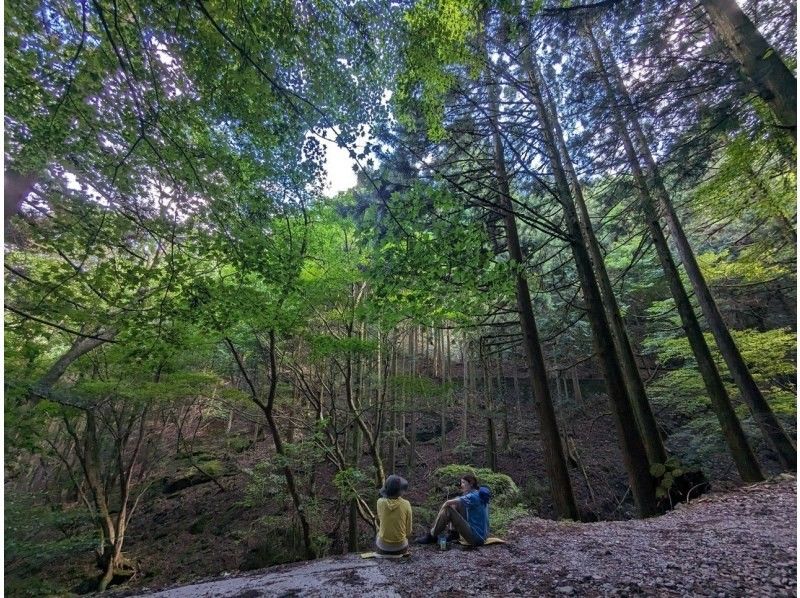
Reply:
x=467, y=514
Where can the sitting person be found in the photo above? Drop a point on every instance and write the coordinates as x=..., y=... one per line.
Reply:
x=394, y=517
x=467, y=514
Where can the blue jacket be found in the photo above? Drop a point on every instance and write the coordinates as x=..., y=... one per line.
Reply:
x=476, y=504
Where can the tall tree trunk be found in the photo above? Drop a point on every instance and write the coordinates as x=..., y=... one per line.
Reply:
x=502, y=396
x=734, y=435
x=758, y=61
x=633, y=451
x=466, y=378
x=448, y=378
x=352, y=520
x=491, y=437
x=517, y=397
x=384, y=367
x=656, y=453
x=770, y=427
x=392, y=457
x=412, y=449
x=354, y=404
x=576, y=385
x=555, y=464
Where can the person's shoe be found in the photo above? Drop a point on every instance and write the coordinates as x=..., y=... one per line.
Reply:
x=425, y=539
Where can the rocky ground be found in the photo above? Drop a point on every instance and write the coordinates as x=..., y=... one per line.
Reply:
x=740, y=543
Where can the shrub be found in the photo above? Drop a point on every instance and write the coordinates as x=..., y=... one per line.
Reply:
x=504, y=491
x=465, y=451
x=238, y=443
x=500, y=518
x=212, y=468
x=423, y=515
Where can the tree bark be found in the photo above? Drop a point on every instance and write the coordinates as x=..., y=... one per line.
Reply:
x=758, y=61
x=644, y=416
x=412, y=449
x=392, y=457
x=555, y=464
x=768, y=423
x=491, y=437
x=80, y=347
x=656, y=453
x=770, y=427
x=633, y=450
x=448, y=378
x=465, y=389
x=737, y=441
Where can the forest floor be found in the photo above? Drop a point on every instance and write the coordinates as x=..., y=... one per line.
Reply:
x=736, y=543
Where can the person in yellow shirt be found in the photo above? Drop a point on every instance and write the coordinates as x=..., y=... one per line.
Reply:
x=394, y=517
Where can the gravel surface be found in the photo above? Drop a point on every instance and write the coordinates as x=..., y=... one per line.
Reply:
x=741, y=543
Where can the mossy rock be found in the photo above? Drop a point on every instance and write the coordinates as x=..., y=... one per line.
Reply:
x=504, y=491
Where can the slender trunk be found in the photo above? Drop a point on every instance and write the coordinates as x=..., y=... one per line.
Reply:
x=576, y=385
x=656, y=453
x=91, y=467
x=392, y=457
x=380, y=393
x=633, y=450
x=758, y=61
x=354, y=404
x=737, y=441
x=502, y=395
x=412, y=449
x=448, y=376
x=404, y=367
x=465, y=389
x=517, y=397
x=770, y=427
x=491, y=437
x=352, y=522
x=267, y=409
x=560, y=484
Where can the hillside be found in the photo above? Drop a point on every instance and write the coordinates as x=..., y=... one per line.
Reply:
x=736, y=543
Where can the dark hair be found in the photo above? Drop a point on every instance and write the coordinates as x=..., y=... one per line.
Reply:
x=393, y=486
x=473, y=481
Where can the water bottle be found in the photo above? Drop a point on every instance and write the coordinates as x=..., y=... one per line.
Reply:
x=442, y=541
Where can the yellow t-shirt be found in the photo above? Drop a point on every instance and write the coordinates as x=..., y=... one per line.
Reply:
x=394, y=515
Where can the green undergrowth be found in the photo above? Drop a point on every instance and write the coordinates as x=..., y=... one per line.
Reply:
x=38, y=539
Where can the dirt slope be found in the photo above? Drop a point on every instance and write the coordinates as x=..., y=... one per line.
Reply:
x=733, y=544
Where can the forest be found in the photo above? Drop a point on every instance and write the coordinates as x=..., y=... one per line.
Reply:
x=568, y=264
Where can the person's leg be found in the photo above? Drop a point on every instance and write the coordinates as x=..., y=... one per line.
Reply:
x=453, y=535
x=439, y=524
x=460, y=524
x=442, y=519
x=454, y=516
